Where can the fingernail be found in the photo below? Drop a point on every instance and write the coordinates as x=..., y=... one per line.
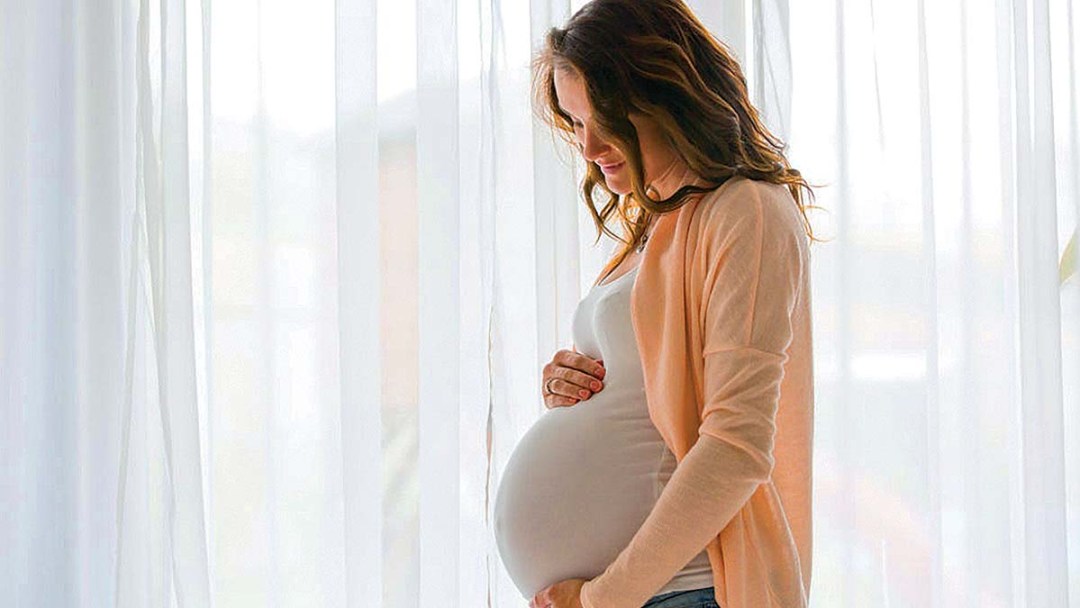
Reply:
x=584, y=393
x=596, y=386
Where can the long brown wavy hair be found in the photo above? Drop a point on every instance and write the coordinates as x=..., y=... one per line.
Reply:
x=654, y=57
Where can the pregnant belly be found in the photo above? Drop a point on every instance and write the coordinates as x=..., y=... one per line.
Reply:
x=576, y=489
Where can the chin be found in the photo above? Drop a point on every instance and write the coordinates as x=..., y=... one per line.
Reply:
x=618, y=186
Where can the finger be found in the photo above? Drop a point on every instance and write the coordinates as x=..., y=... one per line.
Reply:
x=580, y=362
x=569, y=389
x=560, y=392
x=559, y=401
x=585, y=381
x=576, y=376
x=579, y=380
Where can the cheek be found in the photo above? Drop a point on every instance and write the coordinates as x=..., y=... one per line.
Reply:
x=653, y=145
x=648, y=150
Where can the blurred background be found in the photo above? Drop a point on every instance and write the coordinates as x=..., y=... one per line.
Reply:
x=278, y=280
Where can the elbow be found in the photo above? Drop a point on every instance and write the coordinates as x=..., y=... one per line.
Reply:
x=760, y=466
x=749, y=453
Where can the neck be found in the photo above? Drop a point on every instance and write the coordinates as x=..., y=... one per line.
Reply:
x=677, y=175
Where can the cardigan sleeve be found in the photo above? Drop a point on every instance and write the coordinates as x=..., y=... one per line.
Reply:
x=756, y=256
x=754, y=260
x=679, y=527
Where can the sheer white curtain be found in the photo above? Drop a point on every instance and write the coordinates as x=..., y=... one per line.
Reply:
x=278, y=281
x=948, y=410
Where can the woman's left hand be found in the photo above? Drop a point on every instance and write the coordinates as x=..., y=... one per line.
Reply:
x=564, y=594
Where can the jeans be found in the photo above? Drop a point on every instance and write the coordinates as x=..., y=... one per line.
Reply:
x=696, y=598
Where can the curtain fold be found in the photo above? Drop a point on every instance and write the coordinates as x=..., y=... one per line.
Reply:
x=356, y=171
x=279, y=281
x=1040, y=340
x=947, y=418
x=438, y=292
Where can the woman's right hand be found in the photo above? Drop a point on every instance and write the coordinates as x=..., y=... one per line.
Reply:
x=576, y=377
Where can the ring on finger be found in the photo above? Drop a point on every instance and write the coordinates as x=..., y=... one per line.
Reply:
x=547, y=386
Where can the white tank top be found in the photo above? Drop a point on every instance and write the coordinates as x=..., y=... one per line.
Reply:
x=583, y=478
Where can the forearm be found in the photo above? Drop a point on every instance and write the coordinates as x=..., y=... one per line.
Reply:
x=700, y=499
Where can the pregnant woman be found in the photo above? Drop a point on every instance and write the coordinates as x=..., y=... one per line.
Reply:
x=673, y=466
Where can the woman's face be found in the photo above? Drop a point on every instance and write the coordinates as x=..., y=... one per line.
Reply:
x=657, y=154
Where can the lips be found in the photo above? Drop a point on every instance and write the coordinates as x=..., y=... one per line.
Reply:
x=610, y=168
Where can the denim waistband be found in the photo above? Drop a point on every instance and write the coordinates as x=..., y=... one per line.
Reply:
x=681, y=599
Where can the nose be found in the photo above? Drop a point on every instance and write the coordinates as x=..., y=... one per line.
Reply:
x=592, y=145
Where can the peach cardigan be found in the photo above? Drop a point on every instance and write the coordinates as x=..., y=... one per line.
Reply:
x=721, y=312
